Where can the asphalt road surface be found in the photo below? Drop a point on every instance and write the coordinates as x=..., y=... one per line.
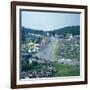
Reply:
x=45, y=52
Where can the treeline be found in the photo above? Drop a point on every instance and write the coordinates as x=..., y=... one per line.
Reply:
x=74, y=30
x=29, y=30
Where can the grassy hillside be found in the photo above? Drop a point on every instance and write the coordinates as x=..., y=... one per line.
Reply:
x=54, y=53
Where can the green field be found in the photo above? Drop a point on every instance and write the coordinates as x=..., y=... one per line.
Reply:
x=66, y=70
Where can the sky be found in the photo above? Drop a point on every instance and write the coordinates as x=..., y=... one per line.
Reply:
x=48, y=20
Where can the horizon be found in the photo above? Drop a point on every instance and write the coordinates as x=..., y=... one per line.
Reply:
x=51, y=30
